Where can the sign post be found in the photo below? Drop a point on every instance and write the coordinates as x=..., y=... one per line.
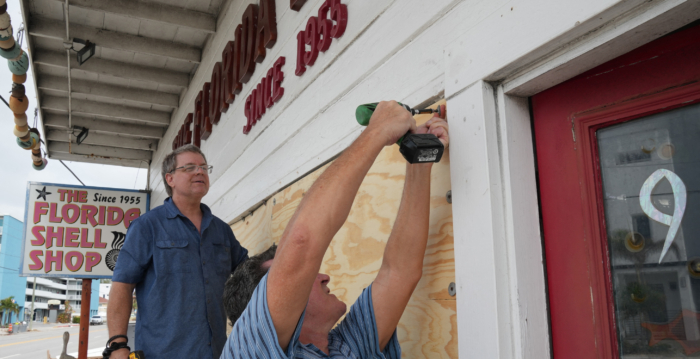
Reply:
x=77, y=232
x=84, y=319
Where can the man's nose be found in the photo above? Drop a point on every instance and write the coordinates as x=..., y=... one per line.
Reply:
x=324, y=278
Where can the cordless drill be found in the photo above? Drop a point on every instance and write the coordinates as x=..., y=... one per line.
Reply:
x=415, y=148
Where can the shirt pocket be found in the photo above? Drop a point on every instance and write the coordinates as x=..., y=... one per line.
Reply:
x=222, y=255
x=172, y=256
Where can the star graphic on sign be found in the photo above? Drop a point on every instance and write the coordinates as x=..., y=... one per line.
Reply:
x=42, y=193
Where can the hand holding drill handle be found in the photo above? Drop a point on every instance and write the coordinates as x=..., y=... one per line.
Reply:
x=416, y=145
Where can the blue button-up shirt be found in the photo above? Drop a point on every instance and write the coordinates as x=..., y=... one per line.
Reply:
x=356, y=337
x=179, y=276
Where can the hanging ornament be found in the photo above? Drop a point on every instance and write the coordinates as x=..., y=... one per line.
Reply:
x=18, y=63
x=5, y=21
x=9, y=52
x=21, y=120
x=19, y=79
x=19, y=105
x=33, y=142
x=7, y=44
x=41, y=166
x=21, y=131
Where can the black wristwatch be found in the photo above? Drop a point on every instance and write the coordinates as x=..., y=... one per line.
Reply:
x=110, y=347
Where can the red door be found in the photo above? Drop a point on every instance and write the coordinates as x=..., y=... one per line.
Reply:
x=618, y=155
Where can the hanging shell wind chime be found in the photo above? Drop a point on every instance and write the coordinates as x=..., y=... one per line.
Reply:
x=18, y=62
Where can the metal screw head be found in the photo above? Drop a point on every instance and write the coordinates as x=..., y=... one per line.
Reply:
x=452, y=289
x=449, y=196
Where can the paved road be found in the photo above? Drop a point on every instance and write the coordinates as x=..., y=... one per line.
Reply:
x=33, y=345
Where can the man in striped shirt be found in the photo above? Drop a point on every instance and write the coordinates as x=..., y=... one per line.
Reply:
x=280, y=304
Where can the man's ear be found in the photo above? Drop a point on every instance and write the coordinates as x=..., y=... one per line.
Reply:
x=169, y=179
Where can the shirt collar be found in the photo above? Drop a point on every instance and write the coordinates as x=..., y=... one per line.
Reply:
x=173, y=211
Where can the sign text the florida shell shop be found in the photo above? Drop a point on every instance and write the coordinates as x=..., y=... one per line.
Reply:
x=76, y=231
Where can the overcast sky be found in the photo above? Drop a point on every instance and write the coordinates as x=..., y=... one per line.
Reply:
x=16, y=164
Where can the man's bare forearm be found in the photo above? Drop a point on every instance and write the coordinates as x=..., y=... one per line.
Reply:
x=320, y=215
x=402, y=265
x=119, y=311
x=406, y=245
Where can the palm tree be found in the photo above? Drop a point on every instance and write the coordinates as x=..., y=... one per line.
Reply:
x=8, y=305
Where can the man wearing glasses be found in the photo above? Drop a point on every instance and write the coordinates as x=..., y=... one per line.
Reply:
x=178, y=257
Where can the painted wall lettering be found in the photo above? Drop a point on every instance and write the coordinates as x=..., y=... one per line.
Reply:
x=267, y=29
x=330, y=24
x=296, y=4
x=256, y=33
x=268, y=91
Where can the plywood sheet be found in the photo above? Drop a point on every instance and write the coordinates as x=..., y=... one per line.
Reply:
x=253, y=231
x=428, y=328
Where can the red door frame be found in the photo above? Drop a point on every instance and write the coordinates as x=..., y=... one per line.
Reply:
x=656, y=77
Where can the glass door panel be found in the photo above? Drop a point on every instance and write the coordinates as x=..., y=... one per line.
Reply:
x=650, y=170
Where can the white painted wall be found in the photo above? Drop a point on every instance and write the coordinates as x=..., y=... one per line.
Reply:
x=486, y=57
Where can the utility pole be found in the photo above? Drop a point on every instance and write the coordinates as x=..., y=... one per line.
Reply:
x=31, y=314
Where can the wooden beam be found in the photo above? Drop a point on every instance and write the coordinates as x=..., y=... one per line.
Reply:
x=56, y=83
x=101, y=151
x=106, y=140
x=151, y=11
x=114, y=68
x=52, y=29
x=106, y=110
x=96, y=159
x=57, y=121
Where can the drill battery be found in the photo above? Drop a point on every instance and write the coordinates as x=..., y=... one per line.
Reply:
x=421, y=148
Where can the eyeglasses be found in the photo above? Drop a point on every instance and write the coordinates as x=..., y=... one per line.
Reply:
x=193, y=168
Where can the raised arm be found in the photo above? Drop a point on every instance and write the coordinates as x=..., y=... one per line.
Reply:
x=320, y=215
x=402, y=265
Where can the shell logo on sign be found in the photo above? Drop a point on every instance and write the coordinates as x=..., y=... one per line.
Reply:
x=75, y=231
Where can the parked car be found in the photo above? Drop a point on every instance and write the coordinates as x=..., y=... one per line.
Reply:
x=97, y=319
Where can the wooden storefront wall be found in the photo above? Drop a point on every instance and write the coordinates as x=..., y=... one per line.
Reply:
x=428, y=328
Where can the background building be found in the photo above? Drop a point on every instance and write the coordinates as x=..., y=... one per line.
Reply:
x=104, y=290
x=11, y=284
x=67, y=290
x=103, y=303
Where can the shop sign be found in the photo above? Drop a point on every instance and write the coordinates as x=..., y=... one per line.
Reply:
x=256, y=33
x=76, y=231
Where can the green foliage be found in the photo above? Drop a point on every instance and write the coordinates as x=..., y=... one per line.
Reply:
x=63, y=318
x=76, y=319
x=7, y=306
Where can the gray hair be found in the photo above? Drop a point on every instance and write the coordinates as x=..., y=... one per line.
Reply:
x=240, y=286
x=170, y=161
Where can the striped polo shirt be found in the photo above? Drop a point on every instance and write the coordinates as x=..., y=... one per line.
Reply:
x=254, y=335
